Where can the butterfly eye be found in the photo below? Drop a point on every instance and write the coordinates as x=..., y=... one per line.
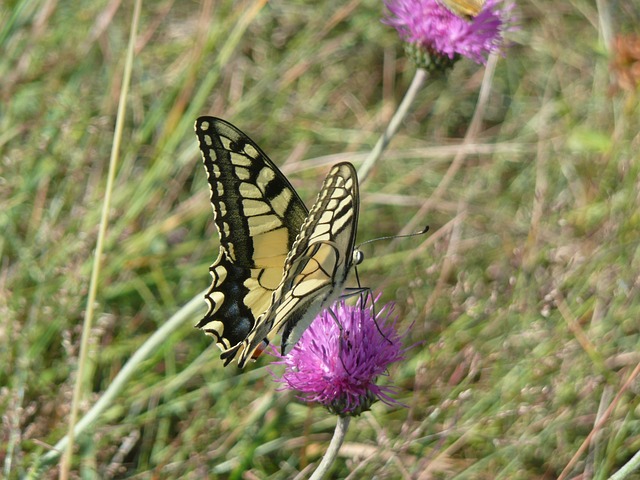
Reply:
x=358, y=257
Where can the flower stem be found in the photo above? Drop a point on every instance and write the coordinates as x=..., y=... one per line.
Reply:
x=332, y=452
x=418, y=80
x=629, y=467
x=152, y=344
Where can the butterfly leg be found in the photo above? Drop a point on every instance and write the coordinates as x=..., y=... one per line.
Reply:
x=344, y=337
x=365, y=294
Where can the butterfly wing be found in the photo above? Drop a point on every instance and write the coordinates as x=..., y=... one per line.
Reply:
x=317, y=266
x=466, y=9
x=258, y=215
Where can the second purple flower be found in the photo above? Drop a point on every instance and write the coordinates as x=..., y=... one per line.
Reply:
x=434, y=29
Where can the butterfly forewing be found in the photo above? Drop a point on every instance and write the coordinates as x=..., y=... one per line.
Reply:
x=317, y=266
x=258, y=215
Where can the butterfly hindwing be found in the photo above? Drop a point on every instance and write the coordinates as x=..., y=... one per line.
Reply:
x=258, y=215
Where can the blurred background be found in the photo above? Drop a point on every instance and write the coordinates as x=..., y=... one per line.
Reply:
x=521, y=303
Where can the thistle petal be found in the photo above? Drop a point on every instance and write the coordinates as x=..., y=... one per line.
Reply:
x=435, y=30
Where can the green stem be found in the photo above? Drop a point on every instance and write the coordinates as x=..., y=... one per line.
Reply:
x=332, y=452
x=629, y=467
x=403, y=109
x=153, y=343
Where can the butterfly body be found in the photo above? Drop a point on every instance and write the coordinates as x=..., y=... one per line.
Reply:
x=279, y=265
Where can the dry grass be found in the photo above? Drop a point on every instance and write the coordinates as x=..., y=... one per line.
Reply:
x=525, y=292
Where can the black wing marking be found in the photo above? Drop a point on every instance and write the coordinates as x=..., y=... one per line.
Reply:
x=258, y=215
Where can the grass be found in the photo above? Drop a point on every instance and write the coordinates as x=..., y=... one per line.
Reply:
x=524, y=293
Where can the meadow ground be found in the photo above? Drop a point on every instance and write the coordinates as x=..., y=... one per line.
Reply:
x=524, y=296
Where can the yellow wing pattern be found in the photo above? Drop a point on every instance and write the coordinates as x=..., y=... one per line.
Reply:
x=317, y=266
x=278, y=265
x=465, y=9
x=258, y=215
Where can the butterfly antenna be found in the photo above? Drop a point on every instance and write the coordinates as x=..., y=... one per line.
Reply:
x=421, y=232
x=357, y=259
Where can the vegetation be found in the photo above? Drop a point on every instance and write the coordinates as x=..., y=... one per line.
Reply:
x=522, y=301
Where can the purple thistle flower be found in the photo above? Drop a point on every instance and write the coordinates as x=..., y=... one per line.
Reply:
x=337, y=366
x=433, y=29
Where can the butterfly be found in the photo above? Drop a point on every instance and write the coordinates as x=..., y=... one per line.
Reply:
x=466, y=9
x=279, y=264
